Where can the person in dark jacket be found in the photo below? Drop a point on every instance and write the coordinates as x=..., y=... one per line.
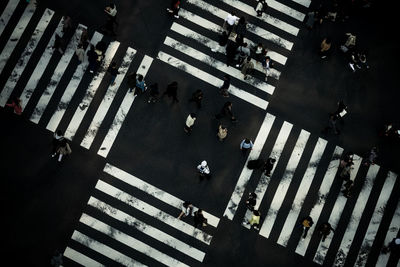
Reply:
x=113, y=71
x=174, y=8
x=306, y=223
x=172, y=91
x=154, y=93
x=58, y=137
x=324, y=230
x=251, y=201
x=223, y=90
x=222, y=41
x=241, y=27
x=226, y=111
x=92, y=58
x=199, y=219
x=197, y=96
x=268, y=166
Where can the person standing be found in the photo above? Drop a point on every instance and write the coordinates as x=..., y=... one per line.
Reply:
x=223, y=90
x=64, y=149
x=230, y=22
x=268, y=166
x=204, y=170
x=324, y=230
x=226, y=111
x=254, y=220
x=199, y=219
x=172, y=91
x=251, y=201
x=80, y=53
x=247, y=67
x=191, y=118
x=197, y=96
x=306, y=223
x=246, y=145
x=222, y=132
x=174, y=8
x=58, y=137
x=113, y=71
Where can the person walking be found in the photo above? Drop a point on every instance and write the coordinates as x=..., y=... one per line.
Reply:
x=306, y=223
x=140, y=85
x=331, y=125
x=324, y=230
x=223, y=90
x=199, y=219
x=80, y=53
x=231, y=48
x=247, y=67
x=254, y=220
x=113, y=71
x=325, y=47
x=154, y=93
x=311, y=17
x=258, y=50
x=58, y=44
x=226, y=111
x=246, y=145
x=251, y=201
x=268, y=166
x=393, y=247
x=204, y=170
x=267, y=64
x=92, y=58
x=111, y=11
x=373, y=154
x=64, y=149
x=174, y=8
x=197, y=96
x=222, y=41
x=187, y=209
x=230, y=22
x=191, y=118
x=341, y=110
x=67, y=24
x=172, y=91
x=131, y=81
x=222, y=132
x=260, y=7
x=241, y=27
x=242, y=52
x=15, y=105
x=58, y=137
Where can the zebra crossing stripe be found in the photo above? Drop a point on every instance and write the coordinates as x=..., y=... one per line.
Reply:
x=71, y=88
x=104, y=249
x=336, y=213
x=322, y=195
x=284, y=184
x=264, y=180
x=285, y=10
x=391, y=233
x=218, y=65
x=80, y=258
x=40, y=67
x=57, y=75
x=107, y=99
x=91, y=91
x=25, y=56
x=208, y=78
x=281, y=25
x=7, y=13
x=250, y=27
x=154, y=212
x=16, y=34
x=147, y=229
x=153, y=191
x=305, y=3
x=302, y=192
x=122, y=112
x=376, y=219
x=356, y=216
x=246, y=172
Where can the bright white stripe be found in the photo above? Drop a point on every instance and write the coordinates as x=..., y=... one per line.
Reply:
x=264, y=180
x=154, y=212
x=218, y=65
x=104, y=249
x=246, y=172
x=16, y=34
x=285, y=9
x=177, y=63
x=281, y=25
x=302, y=192
x=107, y=99
x=284, y=184
x=391, y=233
x=305, y=3
x=376, y=219
x=250, y=27
x=91, y=91
x=153, y=191
x=335, y=215
x=7, y=13
x=322, y=195
x=147, y=229
x=71, y=88
x=57, y=75
x=356, y=216
x=25, y=56
x=40, y=67
x=122, y=112
x=80, y=258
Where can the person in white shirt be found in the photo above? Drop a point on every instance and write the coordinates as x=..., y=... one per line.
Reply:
x=230, y=22
x=190, y=122
x=204, y=170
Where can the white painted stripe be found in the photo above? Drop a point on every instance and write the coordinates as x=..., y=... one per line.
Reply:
x=322, y=195
x=80, y=258
x=107, y=100
x=302, y=192
x=153, y=191
x=122, y=112
x=265, y=17
x=305, y=3
x=40, y=67
x=219, y=65
x=336, y=213
x=71, y=88
x=276, y=152
x=246, y=172
x=250, y=27
x=16, y=34
x=57, y=75
x=356, y=216
x=7, y=13
x=147, y=229
x=104, y=249
x=376, y=219
x=284, y=184
x=390, y=234
x=285, y=9
x=91, y=91
x=25, y=56
x=154, y=212
x=252, y=99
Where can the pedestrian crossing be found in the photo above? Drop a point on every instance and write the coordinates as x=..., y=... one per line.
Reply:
x=117, y=221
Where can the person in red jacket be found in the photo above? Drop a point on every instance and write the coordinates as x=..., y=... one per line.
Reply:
x=174, y=8
x=16, y=105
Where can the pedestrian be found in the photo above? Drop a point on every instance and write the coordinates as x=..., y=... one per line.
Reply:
x=64, y=149
x=347, y=188
x=347, y=160
x=231, y=48
x=226, y=111
x=204, y=170
x=222, y=41
x=373, y=154
x=197, y=96
x=246, y=145
x=111, y=11
x=242, y=52
x=268, y=166
x=258, y=51
x=230, y=22
x=100, y=49
x=254, y=220
x=345, y=173
x=267, y=64
x=331, y=125
x=80, y=53
x=67, y=24
x=222, y=132
x=325, y=47
x=174, y=8
x=58, y=137
x=260, y=7
x=247, y=67
x=251, y=201
x=393, y=247
x=350, y=42
x=324, y=230
x=58, y=44
x=84, y=39
x=241, y=27
x=223, y=90
x=57, y=259
x=140, y=84
x=306, y=223
x=113, y=71
x=199, y=219
x=172, y=91
x=131, y=81
x=341, y=110
x=311, y=16
x=191, y=118
x=15, y=105
x=187, y=209
x=92, y=58
x=154, y=93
